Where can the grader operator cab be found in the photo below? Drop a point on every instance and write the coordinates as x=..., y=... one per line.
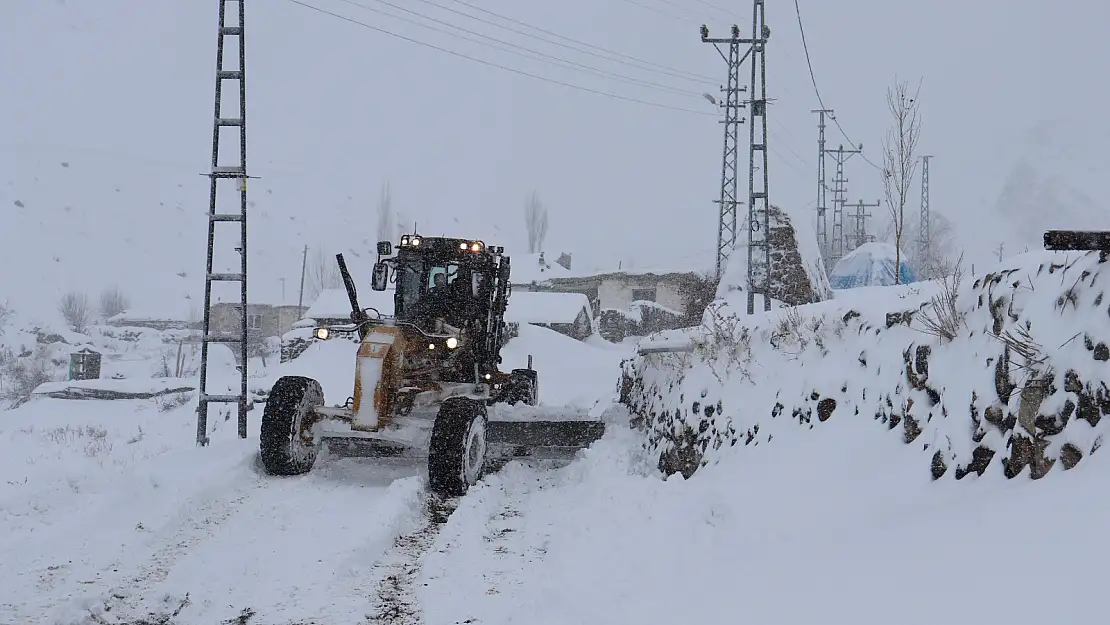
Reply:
x=428, y=377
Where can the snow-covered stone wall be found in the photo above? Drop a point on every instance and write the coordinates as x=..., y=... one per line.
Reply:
x=1007, y=374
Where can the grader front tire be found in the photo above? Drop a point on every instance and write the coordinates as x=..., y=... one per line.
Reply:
x=457, y=450
x=288, y=407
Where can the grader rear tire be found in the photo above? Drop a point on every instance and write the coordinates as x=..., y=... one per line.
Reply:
x=525, y=387
x=457, y=450
x=283, y=450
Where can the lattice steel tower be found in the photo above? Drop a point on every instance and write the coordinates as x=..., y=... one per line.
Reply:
x=840, y=191
x=758, y=219
x=235, y=171
x=859, y=228
x=924, y=237
x=728, y=202
x=822, y=186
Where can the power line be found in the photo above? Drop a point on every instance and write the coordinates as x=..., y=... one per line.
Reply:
x=550, y=57
x=499, y=66
x=630, y=60
x=813, y=79
x=680, y=18
x=715, y=7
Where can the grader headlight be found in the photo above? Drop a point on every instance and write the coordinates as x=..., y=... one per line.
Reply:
x=321, y=333
x=452, y=342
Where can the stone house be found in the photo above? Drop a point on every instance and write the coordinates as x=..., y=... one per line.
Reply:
x=617, y=290
x=263, y=320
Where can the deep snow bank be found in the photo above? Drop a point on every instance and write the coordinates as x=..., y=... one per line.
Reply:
x=604, y=540
x=1019, y=381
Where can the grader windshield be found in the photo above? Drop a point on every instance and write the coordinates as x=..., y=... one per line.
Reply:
x=438, y=281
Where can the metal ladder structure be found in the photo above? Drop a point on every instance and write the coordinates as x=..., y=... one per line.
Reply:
x=237, y=172
x=759, y=202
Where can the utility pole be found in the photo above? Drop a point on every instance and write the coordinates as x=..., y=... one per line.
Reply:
x=304, y=265
x=822, y=206
x=726, y=222
x=924, y=236
x=859, y=231
x=235, y=171
x=758, y=221
x=840, y=189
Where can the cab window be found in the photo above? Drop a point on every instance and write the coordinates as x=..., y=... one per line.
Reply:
x=449, y=270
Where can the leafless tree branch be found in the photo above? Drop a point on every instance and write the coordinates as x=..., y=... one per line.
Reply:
x=74, y=307
x=386, y=228
x=900, y=159
x=113, y=302
x=535, y=220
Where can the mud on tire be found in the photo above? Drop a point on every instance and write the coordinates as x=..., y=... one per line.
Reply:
x=283, y=450
x=457, y=450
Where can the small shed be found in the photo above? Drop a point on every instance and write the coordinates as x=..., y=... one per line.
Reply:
x=84, y=364
x=566, y=313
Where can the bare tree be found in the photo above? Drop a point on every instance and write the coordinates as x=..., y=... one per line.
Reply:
x=535, y=220
x=323, y=273
x=24, y=375
x=938, y=258
x=404, y=225
x=74, y=308
x=385, y=214
x=899, y=159
x=113, y=302
x=6, y=313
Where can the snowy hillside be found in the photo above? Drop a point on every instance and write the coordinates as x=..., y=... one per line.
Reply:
x=1004, y=375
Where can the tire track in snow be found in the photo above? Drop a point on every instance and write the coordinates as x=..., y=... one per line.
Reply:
x=199, y=519
x=395, y=601
x=88, y=565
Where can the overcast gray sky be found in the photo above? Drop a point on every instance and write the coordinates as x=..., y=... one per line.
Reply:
x=121, y=91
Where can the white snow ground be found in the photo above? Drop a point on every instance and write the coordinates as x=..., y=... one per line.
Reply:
x=839, y=525
x=109, y=513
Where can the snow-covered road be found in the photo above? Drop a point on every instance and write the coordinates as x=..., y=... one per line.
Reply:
x=109, y=514
x=205, y=534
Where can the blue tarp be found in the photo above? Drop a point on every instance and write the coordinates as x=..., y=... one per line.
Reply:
x=871, y=264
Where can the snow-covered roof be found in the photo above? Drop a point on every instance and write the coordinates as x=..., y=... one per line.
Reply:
x=643, y=267
x=167, y=313
x=545, y=307
x=333, y=303
x=527, y=268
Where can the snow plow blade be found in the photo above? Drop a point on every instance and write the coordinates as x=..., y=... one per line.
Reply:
x=535, y=434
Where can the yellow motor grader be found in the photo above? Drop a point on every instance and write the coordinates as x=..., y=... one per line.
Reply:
x=427, y=377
